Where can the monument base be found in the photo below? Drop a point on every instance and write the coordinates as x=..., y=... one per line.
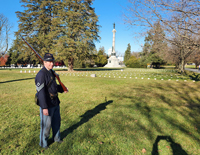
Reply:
x=113, y=62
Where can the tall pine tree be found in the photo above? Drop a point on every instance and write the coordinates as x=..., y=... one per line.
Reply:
x=80, y=31
x=154, y=46
x=66, y=28
x=38, y=22
x=127, y=53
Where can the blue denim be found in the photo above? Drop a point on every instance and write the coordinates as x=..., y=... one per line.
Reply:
x=48, y=122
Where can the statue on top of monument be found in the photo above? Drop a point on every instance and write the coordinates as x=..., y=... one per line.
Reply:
x=114, y=25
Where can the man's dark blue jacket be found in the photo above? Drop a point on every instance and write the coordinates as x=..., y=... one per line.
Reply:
x=42, y=79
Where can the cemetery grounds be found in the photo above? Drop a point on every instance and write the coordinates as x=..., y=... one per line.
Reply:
x=119, y=112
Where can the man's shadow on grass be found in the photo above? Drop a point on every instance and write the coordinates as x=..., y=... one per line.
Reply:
x=86, y=117
x=176, y=148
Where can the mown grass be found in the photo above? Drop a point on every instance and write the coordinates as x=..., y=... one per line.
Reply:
x=191, y=66
x=105, y=115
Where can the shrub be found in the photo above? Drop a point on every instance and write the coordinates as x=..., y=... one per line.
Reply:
x=133, y=62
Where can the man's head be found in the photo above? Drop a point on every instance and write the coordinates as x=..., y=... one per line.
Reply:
x=48, y=61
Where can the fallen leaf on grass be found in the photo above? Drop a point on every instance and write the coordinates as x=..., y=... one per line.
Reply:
x=144, y=150
x=168, y=147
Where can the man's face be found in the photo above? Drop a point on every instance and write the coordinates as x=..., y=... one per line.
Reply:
x=49, y=64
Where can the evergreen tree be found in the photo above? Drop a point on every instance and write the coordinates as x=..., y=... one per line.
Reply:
x=154, y=47
x=80, y=30
x=101, y=51
x=38, y=22
x=101, y=58
x=65, y=28
x=133, y=62
x=16, y=55
x=127, y=53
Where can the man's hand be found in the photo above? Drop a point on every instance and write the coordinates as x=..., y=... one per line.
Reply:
x=66, y=90
x=45, y=112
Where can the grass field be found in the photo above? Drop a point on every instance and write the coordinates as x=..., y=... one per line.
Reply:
x=191, y=66
x=129, y=112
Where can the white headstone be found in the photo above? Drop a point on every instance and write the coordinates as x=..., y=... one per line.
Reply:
x=93, y=75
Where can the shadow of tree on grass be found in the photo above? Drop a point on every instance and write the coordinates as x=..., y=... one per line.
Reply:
x=161, y=106
x=195, y=76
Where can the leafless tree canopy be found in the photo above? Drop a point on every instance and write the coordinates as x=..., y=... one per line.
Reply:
x=4, y=34
x=179, y=19
x=173, y=14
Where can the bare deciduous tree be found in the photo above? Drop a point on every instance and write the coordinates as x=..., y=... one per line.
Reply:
x=179, y=20
x=135, y=54
x=4, y=34
x=195, y=56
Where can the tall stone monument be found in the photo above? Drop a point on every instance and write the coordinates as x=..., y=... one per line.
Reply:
x=113, y=62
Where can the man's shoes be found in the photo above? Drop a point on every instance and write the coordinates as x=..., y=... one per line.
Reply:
x=46, y=147
x=59, y=141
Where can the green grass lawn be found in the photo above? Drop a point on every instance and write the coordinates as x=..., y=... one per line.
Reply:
x=190, y=66
x=129, y=112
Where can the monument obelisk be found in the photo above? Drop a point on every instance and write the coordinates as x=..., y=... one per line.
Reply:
x=113, y=62
x=113, y=43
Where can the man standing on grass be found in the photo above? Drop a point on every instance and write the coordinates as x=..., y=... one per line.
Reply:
x=47, y=92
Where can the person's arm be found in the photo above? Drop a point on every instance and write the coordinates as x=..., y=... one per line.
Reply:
x=41, y=90
x=60, y=89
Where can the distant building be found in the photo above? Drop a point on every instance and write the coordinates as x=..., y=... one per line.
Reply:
x=120, y=58
x=190, y=63
x=3, y=60
x=60, y=63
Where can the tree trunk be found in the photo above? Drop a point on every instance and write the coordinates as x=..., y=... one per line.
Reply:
x=176, y=65
x=70, y=64
x=151, y=66
x=182, y=65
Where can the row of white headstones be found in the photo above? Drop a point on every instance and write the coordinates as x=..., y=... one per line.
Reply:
x=122, y=75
